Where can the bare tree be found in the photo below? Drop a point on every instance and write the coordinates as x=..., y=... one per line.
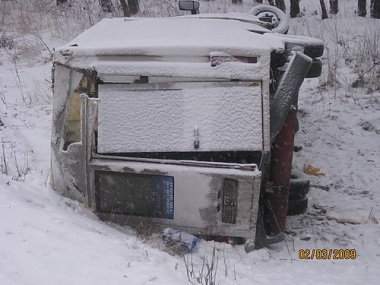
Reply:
x=362, y=8
x=323, y=8
x=375, y=9
x=134, y=7
x=125, y=8
x=334, y=6
x=294, y=8
x=278, y=3
x=281, y=5
x=130, y=7
x=106, y=5
x=60, y=2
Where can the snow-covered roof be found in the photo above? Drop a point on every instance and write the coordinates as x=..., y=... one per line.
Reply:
x=175, y=36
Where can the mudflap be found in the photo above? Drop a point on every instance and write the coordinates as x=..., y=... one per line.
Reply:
x=287, y=91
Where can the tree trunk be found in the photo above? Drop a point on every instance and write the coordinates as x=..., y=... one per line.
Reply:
x=294, y=8
x=281, y=5
x=134, y=7
x=375, y=9
x=125, y=8
x=362, y=8
x=106, y=5
x=60, y=2
x=323, y=8
x=334, y=6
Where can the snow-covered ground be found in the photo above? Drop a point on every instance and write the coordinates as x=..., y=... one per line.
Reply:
x=49, y=239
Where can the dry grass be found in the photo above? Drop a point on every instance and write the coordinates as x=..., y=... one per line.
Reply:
x=352, y=55
x=30, y=30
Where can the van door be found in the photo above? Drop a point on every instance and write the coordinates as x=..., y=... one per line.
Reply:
x=181, y=154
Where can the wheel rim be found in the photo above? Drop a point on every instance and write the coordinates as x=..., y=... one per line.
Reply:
x=275, y=21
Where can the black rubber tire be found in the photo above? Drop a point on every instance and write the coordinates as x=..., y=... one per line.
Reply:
x=297, y=207
x=299, y=186
x=280, y=20
x=314, y=50
x=315, y=69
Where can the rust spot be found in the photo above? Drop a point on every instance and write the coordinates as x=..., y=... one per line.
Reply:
x=154, y=172
x=209, y=214
x=128, y=169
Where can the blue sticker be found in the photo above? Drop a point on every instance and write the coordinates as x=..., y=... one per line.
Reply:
x=163, y=196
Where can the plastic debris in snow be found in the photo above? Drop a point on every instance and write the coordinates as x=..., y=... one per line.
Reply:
x=312, y=170
x=354, y=217
x=186, y=241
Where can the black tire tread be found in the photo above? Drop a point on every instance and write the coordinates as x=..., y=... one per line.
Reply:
x=313, y=50
x=299, y=186
x=315, y=69
x=297, y=207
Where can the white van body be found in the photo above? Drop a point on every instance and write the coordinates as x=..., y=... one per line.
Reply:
x=166, y=121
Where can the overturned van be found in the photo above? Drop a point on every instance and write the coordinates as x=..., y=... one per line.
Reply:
x=185, y=122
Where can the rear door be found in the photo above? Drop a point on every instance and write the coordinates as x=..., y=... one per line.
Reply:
x=180, y=117
x=170, y=152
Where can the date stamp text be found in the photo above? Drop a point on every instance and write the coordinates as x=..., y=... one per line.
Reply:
x=326, y=254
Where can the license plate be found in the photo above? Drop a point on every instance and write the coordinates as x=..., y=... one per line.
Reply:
x=229, y=210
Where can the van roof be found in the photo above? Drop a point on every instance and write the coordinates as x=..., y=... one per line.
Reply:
x=233, y=33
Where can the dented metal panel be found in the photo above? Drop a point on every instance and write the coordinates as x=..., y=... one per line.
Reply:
x=189, y=197
x=201, y=197
x=195, y=196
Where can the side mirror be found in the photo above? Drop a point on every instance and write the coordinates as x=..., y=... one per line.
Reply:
x=192, y=6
